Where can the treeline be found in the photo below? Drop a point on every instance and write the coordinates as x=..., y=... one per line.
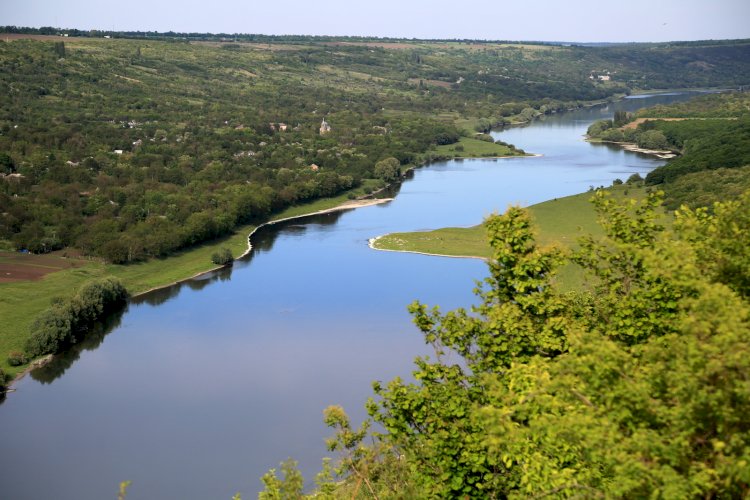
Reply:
x=68, y=319
x=634, y=387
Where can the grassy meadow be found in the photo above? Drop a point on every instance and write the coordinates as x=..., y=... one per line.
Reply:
x=468, y=147
x=558, y=222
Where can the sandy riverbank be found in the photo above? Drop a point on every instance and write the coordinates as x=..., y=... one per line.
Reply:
x=664, y=154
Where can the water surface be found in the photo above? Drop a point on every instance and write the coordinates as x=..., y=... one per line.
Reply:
x=199, y=389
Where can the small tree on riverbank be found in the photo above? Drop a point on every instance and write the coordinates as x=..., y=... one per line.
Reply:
x=222, y=257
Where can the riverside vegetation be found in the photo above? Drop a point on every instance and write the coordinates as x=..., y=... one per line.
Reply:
x=132, y=150
x=712, y=138
x=634, y=387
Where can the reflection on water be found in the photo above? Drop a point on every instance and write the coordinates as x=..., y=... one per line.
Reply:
x=262, y=241
x=47, y=373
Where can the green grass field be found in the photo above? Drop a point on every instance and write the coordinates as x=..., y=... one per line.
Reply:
x=474, y=148
x=558, y=222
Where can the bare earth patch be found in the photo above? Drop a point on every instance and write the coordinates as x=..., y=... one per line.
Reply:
x=16, y=266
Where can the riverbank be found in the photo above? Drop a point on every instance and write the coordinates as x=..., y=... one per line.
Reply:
x=664, y=154
x=22, y=301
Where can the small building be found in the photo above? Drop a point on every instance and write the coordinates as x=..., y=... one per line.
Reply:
x=324, y=127
x=314, y=167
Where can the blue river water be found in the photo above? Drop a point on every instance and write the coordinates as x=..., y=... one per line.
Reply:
x=196, y=390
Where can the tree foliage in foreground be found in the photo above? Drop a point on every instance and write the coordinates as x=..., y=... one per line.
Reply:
x=637, y=387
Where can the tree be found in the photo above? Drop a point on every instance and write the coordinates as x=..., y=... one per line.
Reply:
x=632, y=389
x=621, y=118
x=222, y=257
x=388, y=169
x=652, y=139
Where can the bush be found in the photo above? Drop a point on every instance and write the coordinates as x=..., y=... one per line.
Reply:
x=222, y=257
x=65, y=322
x=16, y=358
x=635, y=179
x=652, y=139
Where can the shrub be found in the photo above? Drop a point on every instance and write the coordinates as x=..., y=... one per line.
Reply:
x=635, y=179
x=222, y=257
x=16, y=358
x=66, y=321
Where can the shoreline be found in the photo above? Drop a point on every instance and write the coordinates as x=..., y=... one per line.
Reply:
x=526, y=155
x=664, y=154
x=371, y=243
x=347, y=205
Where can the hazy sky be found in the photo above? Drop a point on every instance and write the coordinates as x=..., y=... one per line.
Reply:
x=572, y=20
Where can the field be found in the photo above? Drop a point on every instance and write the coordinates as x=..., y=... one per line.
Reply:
x=474, y=148
x=15, y=266
x=558, y=222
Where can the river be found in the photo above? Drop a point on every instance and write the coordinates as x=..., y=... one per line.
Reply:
x=195, y=391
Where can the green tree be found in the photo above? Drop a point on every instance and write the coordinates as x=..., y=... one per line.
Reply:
x=388, y=169
x=621, y=118
x=222, y=257
x=652, y=139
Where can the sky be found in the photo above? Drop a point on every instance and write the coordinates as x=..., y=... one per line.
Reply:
x=541, y=20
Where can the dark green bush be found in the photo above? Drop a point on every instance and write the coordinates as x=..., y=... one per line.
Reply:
x=222, y=257
x=66, y=322
x=16, y=358
x=635, y=179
